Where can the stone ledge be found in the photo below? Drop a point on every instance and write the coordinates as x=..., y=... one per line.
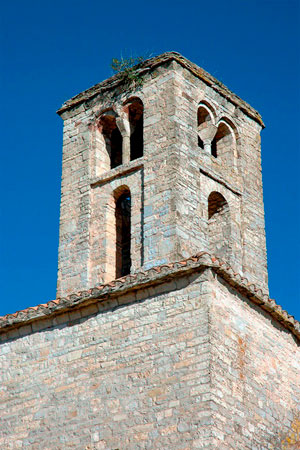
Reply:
x=220, y=180
x=152, y=63
x=118, y=172
x=143, y=279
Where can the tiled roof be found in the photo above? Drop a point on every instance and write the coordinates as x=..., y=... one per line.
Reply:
x=150, y=64
x=143, y=279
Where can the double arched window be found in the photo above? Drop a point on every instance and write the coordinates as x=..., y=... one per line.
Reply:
x=217, y=138
x=119, y=140
x=123, y=133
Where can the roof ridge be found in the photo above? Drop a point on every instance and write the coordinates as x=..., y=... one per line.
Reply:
x=154, y=275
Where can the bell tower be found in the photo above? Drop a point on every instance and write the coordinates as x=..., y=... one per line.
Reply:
x=162, y=335
x=156, y=171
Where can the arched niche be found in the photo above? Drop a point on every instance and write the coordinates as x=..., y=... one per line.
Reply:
x=219, y=226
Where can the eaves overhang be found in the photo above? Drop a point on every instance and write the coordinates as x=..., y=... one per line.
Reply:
x=144, y=279
x=151, y=64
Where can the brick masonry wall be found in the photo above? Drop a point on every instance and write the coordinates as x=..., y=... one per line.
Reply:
x=177, y=366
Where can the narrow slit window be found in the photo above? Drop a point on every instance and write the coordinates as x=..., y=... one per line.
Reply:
x=123, y=234
x=136, y=120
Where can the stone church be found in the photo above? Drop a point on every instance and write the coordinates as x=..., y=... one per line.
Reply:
x=162, y=335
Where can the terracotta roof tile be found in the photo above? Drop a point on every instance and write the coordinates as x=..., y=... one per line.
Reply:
x=146, y=278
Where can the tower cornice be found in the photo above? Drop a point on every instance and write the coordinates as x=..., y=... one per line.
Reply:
x=151, y=64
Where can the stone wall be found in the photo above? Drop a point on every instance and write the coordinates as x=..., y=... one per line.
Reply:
x=103, y=223
x=124, y=374
x=87, y=190
x=186, y=364
x=170, y=184
x=238, y=179
x=188, y=354
x=255, y=381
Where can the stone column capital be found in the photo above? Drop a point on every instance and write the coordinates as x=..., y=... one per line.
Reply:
x=207, y=133
x=123, y=125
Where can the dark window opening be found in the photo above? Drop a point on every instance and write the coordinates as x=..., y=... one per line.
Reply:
x=216, y=204
x=137, y=129
x=214, y=147
x=113, y=139
x=116, y=148
x=123, y=234
x=200, y=143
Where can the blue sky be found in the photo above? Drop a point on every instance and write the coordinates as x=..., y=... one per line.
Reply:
x=51, y=51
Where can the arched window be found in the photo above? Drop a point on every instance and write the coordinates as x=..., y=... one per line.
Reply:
x=136, y=120
x=219, y=229
x=113, y=139
x=123, y=233
x=205, y=126
x=223, y=144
